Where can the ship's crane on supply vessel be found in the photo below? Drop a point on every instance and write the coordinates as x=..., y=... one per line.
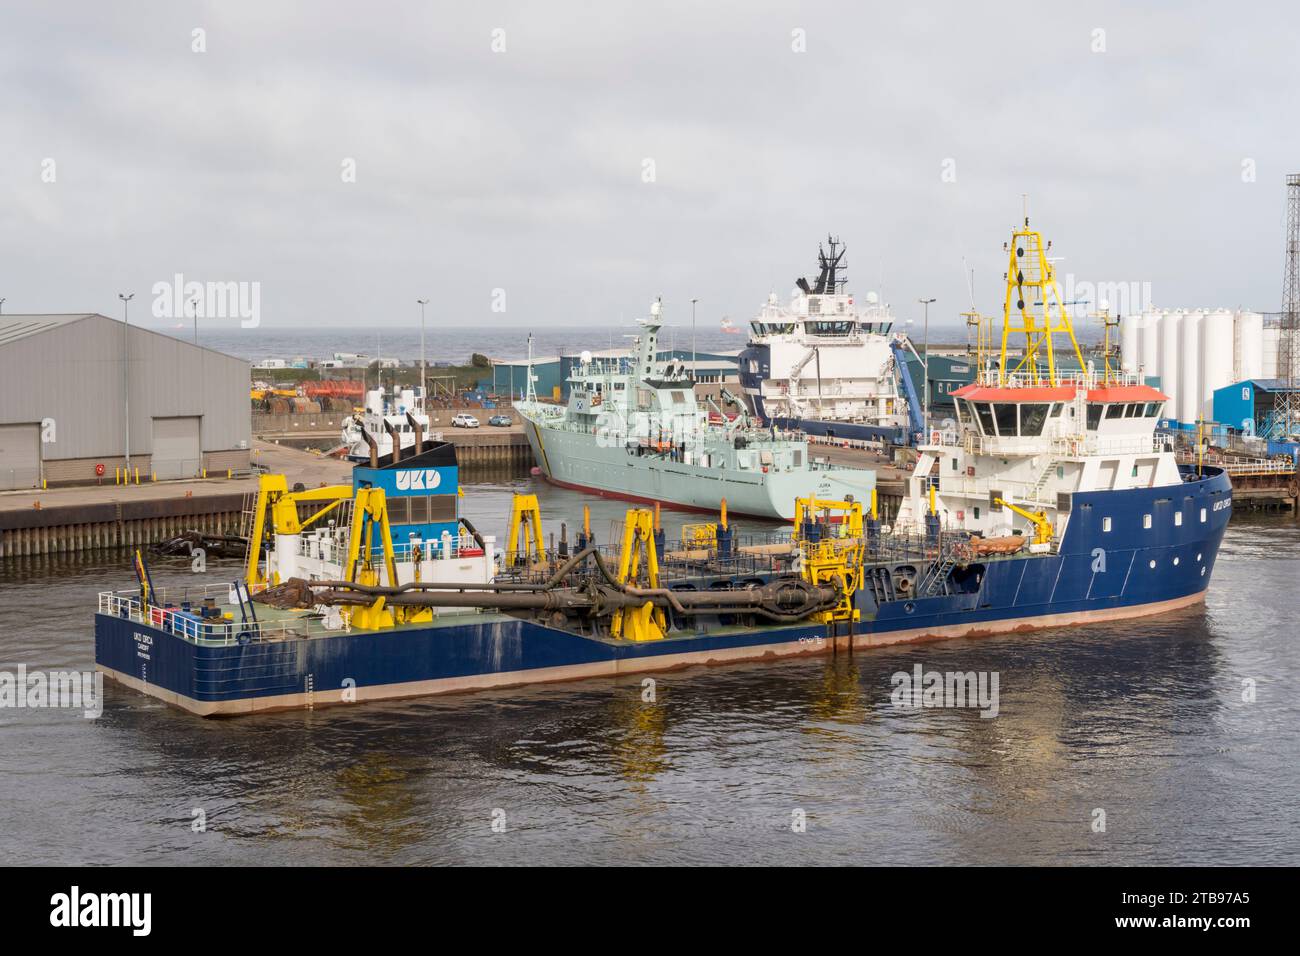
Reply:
x=900, y=345
x=1042, y=527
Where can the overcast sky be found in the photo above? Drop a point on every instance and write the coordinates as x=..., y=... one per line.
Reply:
x=525, y=169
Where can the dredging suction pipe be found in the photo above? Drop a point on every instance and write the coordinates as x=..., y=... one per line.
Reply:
x=785, y=600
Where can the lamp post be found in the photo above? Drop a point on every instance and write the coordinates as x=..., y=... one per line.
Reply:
x=126, y=375
x=693, y=301
x=2, y=306
x=194, y=303
x=422, y=303
x=925, y=398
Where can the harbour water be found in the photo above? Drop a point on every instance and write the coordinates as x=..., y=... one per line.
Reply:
x=1144, y=720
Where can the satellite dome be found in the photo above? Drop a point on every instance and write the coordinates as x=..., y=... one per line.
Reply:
x=585, y=357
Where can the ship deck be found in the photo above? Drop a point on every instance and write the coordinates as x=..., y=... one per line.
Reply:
x=695, y=563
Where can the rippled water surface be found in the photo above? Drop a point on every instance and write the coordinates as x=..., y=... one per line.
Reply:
x=1144, y=720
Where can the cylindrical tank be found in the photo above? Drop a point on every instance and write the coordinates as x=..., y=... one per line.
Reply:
x=1129, y=338
x=1268, y=361
x=1169, y=322
x=1150, y=339
x=1250, y=345
x=1188, y=400
x=1216, y=357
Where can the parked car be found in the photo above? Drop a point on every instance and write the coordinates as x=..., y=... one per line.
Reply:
x=501, y=421
x=464, y=420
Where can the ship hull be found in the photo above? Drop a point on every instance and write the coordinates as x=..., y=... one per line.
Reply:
x=1127, y=572
x=852, y=431
x=578, y=460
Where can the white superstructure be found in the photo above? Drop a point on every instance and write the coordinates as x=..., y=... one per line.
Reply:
x=384, y=411
x=824, y=356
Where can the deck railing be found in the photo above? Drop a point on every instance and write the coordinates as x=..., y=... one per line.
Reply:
x=190, y=627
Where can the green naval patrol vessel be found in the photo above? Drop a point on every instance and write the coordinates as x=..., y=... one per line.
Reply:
x=634, y=428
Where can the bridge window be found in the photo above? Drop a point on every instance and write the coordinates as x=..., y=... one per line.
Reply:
x=1056, y=409
x=1032, y=419
x=985, y=413
x=1094, y=416
x=1134, y=410
x=1005, y=413
x=1153, y=409
x=1114, y=411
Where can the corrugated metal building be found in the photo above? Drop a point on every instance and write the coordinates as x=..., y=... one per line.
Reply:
x=63, y=402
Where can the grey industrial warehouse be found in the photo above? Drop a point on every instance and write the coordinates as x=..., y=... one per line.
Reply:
x=64, y=401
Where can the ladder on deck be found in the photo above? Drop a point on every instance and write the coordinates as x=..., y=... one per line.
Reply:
x=934, y=583
x=248, y=516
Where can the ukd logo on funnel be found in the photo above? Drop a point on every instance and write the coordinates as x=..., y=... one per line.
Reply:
x=425, y=479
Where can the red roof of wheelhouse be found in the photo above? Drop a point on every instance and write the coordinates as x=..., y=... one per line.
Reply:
x=1058, y=393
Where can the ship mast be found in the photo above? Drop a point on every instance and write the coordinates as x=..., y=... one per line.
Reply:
x=530, y=393
x=1029, y=271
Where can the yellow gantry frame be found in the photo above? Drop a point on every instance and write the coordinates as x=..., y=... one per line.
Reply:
x=837, y=561
x=647, y=622
x=1042, y=527
x=852, y=511
x=274, y=496
x=526, y=517
x=369, y=512
x=1029, y=271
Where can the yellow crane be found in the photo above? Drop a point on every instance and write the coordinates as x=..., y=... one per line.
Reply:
x=639, y=558
x=834, y=560
x=276, y=502
x=524, y=545
x=1042, y=526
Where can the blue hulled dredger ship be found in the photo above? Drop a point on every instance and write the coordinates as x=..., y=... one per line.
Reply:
x=1052, y=501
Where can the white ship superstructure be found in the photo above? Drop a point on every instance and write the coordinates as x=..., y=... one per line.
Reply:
x=385, y=415
x=825, y=357
x=1031, y=439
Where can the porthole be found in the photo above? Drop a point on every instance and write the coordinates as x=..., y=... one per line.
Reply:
x=1202, y=572
x=1153, y=564
x=1175, y=562
x=909, y=607
x=1198, y=557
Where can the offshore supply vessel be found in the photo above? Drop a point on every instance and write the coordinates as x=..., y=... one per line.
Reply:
x=634, y=428
x=1052, y=501
x=827, y=365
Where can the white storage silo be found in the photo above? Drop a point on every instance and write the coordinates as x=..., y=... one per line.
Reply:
x=1250, y=345
x=1129, y=338
x=1268, y=355
x=1217, y=333
x=1169, y=322
x=1188, y=399
x=1150, y=339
